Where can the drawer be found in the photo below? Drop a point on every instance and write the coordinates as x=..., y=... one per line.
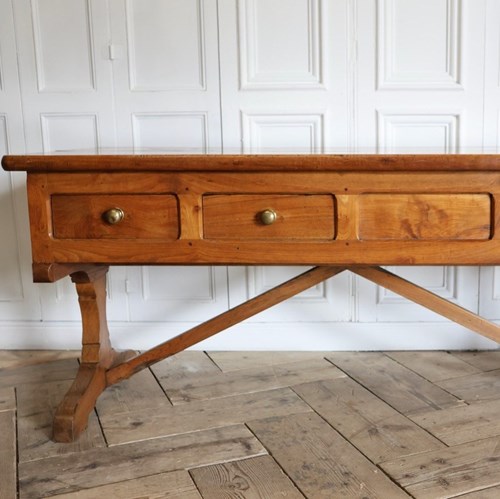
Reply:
x=425, y=217
x=278, y=216
x=137, y=216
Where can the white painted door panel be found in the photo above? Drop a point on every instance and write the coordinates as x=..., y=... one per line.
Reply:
x=65, y=74
x=18, y=296
x=490, y=276
x=166, y=76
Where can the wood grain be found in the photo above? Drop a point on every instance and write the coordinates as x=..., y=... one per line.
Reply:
x=59, y=475
x=146, y=216
x=234, y=361
x=475, y=388
x=449, y=472
x=372, y=426
x=175, y=370
x=13, y=359
x=36, y=407
x=424, y=216
x=484, y=361
x=139, y=392
x=434, y=366
x=8, y=472
x=393, y=383
x=458, y=425
x=327, y=436
x=171, y=485
x=489, y=493
x=51, y=371
x=320, y=461
x=192, y=185
x=119, y=160
x=7, y=399
x=146, y=424
x=251, y=380
x=254, y=478
x=236, y=216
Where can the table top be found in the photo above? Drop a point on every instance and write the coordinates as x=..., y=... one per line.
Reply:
x=141, y=160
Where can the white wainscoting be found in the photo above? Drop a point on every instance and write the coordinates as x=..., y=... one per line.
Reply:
x=250, y=76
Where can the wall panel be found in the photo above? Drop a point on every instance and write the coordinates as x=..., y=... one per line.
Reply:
x=66, y=131
x=157, y=29
x=287, y=132
x=11, y=287
x=63, y=45
x=18, y=296
x=249, y=76
x=171, y=131
x=278, y=54
x=419, y=44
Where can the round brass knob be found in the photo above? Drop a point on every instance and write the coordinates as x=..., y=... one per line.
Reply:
x=268, y=217
x=113, y=216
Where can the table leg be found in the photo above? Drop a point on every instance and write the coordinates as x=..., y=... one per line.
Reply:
x=72, y=415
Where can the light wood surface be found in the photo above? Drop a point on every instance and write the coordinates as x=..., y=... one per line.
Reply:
x=297, y=217
x=252, y=478
x=332, y=437
x=8, y=449
x=145, y=216
x=424, y=216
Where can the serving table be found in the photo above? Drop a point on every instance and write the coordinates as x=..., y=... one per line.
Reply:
x=332, y=212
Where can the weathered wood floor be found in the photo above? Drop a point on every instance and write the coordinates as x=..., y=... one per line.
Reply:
x=260, y=425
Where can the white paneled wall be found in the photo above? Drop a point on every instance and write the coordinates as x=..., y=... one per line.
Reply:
x=250, y=76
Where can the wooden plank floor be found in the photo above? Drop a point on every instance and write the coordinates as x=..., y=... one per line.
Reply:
x=217, y=425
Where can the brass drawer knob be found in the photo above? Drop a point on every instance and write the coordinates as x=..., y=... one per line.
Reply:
x=268, y=217
x=113, y=216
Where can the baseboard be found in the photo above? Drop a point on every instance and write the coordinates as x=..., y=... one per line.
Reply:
x=257, y=336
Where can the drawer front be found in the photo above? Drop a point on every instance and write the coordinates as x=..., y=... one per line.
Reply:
x=115, y=216
x=425, y=217
x=280, y=216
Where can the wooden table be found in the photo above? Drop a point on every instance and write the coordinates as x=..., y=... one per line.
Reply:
x=334, y=212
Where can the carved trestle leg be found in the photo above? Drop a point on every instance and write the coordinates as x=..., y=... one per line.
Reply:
x=72, y=415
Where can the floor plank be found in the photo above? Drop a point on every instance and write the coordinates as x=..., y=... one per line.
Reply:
x=320, y=461
x=487, y=360
x=395, y=384
x=491, y=493
x=235, y=361
x=449, y=472
x=252, y=380
x=175, y=370
x=141, y=391
x=475, y=388
x=18, y=358
x=36, y=407
x=374, y=427
x=379, y=426
x=171, y=485
x=434, y=366
x=458, y=425
x=7, y=399
x=141, y=425
x=59, y=475
x=8, y=478
x=51, y=371
x=254, y=478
